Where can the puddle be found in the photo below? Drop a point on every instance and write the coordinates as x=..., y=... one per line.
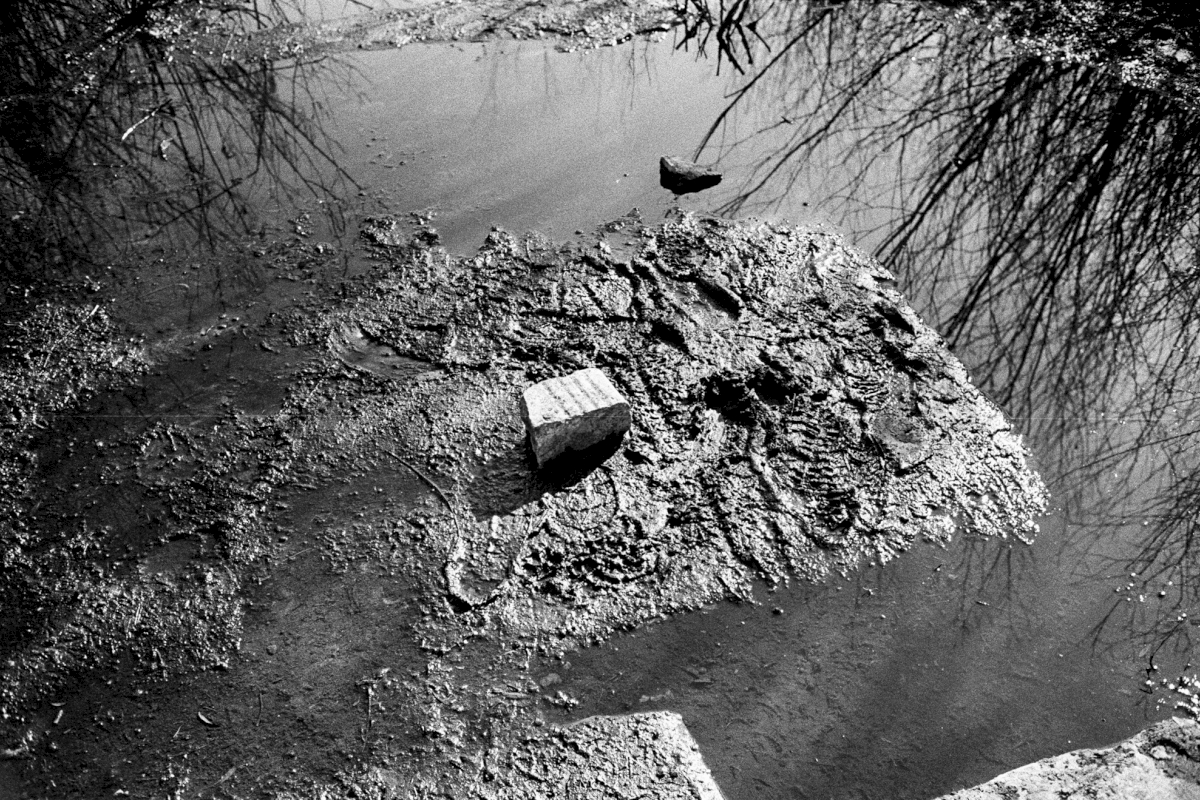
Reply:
x=529, y=139
x=934, y=672
x=10, y=783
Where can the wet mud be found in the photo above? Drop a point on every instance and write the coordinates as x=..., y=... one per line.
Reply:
x=570, y=25
x=307, y=551
x=296, y=546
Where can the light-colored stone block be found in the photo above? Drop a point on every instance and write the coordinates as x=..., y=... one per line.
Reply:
x=574, y=412
x=1157, y=764
x=639, y=755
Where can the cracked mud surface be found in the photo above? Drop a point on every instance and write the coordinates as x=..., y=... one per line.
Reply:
x=339, y=570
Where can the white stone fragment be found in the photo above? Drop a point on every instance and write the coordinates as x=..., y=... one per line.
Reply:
x=633, y=755
x=574, y=412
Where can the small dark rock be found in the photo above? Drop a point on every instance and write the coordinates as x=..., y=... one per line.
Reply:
x=682, y=177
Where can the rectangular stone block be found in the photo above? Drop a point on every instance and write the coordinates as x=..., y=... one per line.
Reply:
x=574, y=412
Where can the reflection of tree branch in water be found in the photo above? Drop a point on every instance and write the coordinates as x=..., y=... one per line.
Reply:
x=1161, y=582
x=1031, y=221
x=817, y=128
x=1043, y=216
x=122, y=135
x=728, y=26
x=982, y=575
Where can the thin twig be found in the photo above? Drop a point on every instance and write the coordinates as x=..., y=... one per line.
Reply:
x=420, y=475
x=164, y=105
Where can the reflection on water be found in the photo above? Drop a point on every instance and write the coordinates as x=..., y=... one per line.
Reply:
x=520, y=136
x=1044, y=217
x=117, y=130
x=933, y=673
x=1043, y=214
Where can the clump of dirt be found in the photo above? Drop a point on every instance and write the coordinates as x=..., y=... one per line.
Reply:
x=1175, y=745
x=604, y=756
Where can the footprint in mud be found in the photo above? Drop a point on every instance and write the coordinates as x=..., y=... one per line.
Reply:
x=360, y=350
x=501, y=516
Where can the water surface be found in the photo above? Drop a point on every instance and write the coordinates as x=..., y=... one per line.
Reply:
x=909, y=679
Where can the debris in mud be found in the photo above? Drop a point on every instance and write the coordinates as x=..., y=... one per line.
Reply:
x=684, y=177
x=386, y=231
x=53, y=357
x=575, y=412
x=794, y=416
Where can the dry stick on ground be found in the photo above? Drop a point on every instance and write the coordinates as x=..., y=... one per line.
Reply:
x=420, y=475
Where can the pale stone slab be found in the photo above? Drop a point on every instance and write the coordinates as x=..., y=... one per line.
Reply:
x=1161, y=763
x=574, y=412
x=650, y=755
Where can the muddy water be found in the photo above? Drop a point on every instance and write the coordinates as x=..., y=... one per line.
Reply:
x=935, y=671
x=931, y=673
x=523, y=137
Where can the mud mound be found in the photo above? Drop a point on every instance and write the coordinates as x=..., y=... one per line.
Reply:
x=792, y=416
x=354, y=534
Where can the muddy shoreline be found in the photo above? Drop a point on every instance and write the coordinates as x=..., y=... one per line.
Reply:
x=301, y=549
x=337, y=560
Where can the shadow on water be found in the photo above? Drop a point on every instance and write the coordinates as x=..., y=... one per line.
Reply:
x=123, y=125
x=1043, y=217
